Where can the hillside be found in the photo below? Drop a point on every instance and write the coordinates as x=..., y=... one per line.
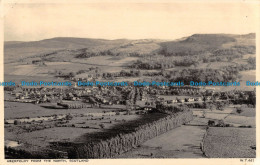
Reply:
x=15, y=51
x=66, y=48
x=19, y=50
x=207, y=43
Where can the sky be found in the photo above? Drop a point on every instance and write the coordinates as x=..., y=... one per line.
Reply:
x=37, y=21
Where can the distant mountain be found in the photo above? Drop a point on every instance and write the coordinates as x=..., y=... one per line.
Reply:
x=14, y=51
x=17, y=50
x=8, y=43
x=202, y=43
x=246, y=36
x=69, y=47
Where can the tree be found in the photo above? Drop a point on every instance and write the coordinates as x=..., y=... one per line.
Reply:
x=68, y=117
x=72, y=74
x=17, y=122
x=204, y=114
x=102, y=125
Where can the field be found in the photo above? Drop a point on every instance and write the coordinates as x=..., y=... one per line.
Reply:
x=74, y=54
x=230, y=143
x=248, y=112
x=73, y=131
x=229, y=115
x=219, y=141
x=63, y=59
x=171, y=144
x=241, y=120
x=219, y=65
x=213, y=114
x=18, y=78
x=18, y=110
x=172, y=97
x=249, y=75
x=104, y=63
x=41, y=138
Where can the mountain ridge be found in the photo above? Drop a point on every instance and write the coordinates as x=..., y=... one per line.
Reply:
x=195, y=43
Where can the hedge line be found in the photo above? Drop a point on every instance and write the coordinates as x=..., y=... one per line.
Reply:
x=73, y=105
x=124, y=142
x=112, y=142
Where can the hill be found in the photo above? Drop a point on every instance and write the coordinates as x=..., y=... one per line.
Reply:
x=19, y=50
x=15, y=51
x=58, y=57
x=66, y=48
x=207, y=43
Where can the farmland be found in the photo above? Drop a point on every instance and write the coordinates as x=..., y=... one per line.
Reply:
x=80, y=125
x=129, y=121
x=31, y=110
x=171, y=145
x=200, y=142
x=230, y=143
x=93, y=57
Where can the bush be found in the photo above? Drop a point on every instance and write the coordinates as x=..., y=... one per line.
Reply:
x=102, y=126
x=17, y=122
x=239, y=110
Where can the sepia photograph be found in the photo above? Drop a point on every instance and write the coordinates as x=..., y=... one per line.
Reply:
x=129, y=80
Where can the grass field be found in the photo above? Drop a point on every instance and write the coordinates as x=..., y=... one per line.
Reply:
x=17, y=110
x=219, y=65
x=171, y=145
x=230, y=142
x=173, y=97
x=241, y=120
x=19, y=78
x=104, y=63
x=249, y=75
x=248, y=112
x=229, y=115
x=42, y=138
x=248, y=56
x=105, y=60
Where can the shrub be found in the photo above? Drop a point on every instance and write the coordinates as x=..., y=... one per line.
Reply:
x=102, y=126
x=239, y=110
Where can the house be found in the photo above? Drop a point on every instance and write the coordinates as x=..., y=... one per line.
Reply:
x=21, y=97
x=10, y=121
x=116, y=101
x=104, y=101
x=169, y=101
x=181, y=100
x=211, y=123
x=189, y=99
x=207, y=98
x=246, y=97
x=148, y=108
x=197, y=99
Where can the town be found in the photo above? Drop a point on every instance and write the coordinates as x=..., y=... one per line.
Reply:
x=122, y=102
x=101, y=103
